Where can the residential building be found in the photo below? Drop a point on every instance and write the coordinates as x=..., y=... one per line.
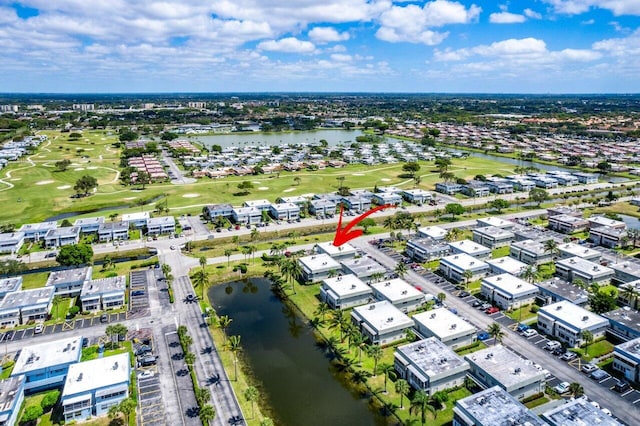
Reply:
x=11, y=398
x=524, y=185
x=567, y=224
x=318, y=267
x=416, y=196
x=589, y=272
x=344, y=251
x=10, y=242
x=247, y=215
x=89, y=225
x=565, y=179
x=493, y=407
x=529, y=233
x=68, y=282
x=362, y=267
x=45, y=365
x=400, y=293
x=499, y=366
x=381, y=323
x=579, y=412
x=626, y=360
x=624, y=323
x=284, y=211
x=608, y=237
x=566, y=250
x=495, y=222
x=62, y=237
x=563, y=210
x=10, y=285
x=161, y=225
x=433, y=232
x=298, y=200
x=430, y=365
x=214, y=211
x=137, y=220
x=626, y=271
x=508, y=265
x=322, y=207
x=586, y=177
x=493, y=237
x=507, y=291
x=445, y=326
x=103, y=294
x=471, y=248
x=448, y=188
x=113, y=231
x=530, y=252
x=599, y=221
x=37, y=231
x=345, y=291
x=262, y=205
x=454, y=266
x=544, y=182
x=475, y=189
x=356, y=203
x=556, y=290
x=566, y=322
x=20, y=307
x=92, y=387
x=427, y=249
x=500, y=187
x=386, y=198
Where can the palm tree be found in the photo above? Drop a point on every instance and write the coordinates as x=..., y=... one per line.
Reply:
x=126, y=407
x=402, y=387
x=322, y=309
x=579, y=282
x=190, y=359
x=441, y=297
x=551, y=246
x=245, y=250
x=389, y=223
x=338, y=321
x=495, y=331
x=587, y=336
x=375, y=352
x=203, y=261
x=377, y=276
x=203, y=395
x=56, y=302
x=251, y=394
x=576, y=389
x=358, y=341
x=630, y=294
x=387, y=370
x=207, y=414
x=255, y=234
x=166, y=268
x=467, y=275
x=201, y=279
x=401, y=269
x=223, y=322
x=233, y=344
x=530, y=273
x=452, y=234
x=228, y=253
x=421, y=403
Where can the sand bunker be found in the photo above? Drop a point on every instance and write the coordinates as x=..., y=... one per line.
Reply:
x=263, y=188
x=358, y=174
x=92, y=168
x=256, y=183
x=79, y=169
x=190, y=195
x=129, y=198
x=64, y=187
x=385, y=180
x=289, y=190
x=44, y=182
x=15, y=179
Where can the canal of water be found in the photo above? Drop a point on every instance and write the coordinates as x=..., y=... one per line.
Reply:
x=291, y=367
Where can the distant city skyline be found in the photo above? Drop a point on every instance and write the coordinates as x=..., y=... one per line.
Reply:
x=439, y=46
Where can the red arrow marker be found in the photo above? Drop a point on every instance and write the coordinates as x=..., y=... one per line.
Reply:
x=345, y=234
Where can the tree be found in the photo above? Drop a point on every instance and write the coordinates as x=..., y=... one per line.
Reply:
x=49, y=400
x=401, y=269
x=228, y=253
x=454, y=209
x=551, y=246
x=56, y=302
x=252, y=395
x=75, y=255
x=201, y=280
x=143, y=178
x=601, y=301
x=234, y=347
x=530, y=274
x=207, y=414
x=367, y=223
x=441, y=296
x=538, y=195
x=576, y=389
x=467, y=275
x=297, y=180
x=322, y=309
x=375, y=352
x=442, y=163
x=604, y=167
x=402, y=387
x=338, y=321
x=440, y=398
x=453, y=234
x=224, y=322
x=587, y=336
x=629, y=294
x=495, y=331
x=499, y=204
x=62, y=165
x=387, y=370
x=203, y=395
x=341, y=180
x=127, y=135
x=202, y=261
x=126, y=407
x=31, y=413
x=412, y=168
x=85, y=184
x=245, y=187
x=115, y=330
x=422, y=404
x=190, y=360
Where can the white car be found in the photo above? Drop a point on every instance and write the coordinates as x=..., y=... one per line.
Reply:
x=562, y=387
x=146, y=374
x=606, y=411
x=39, y=328
x=529, y=332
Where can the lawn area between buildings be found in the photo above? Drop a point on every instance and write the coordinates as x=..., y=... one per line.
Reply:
x=40, y=191
x=595, y=350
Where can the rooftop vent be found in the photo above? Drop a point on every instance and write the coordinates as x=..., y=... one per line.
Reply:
x=454, y=326
x=585, y=318
x=387, y=284
x=498, y=278
x=79, y=377
x=558, y=307
x=353, y=286
x=372, y=307
x=517, y=371
x=390, y=319
x=115, y=365
x=404, y=291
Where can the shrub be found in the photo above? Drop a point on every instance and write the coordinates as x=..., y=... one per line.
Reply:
x=50, y=400
x=535, y=309
x=74, y=310
x=31, y=413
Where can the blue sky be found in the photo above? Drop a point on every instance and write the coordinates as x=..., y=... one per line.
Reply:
x=521, y=46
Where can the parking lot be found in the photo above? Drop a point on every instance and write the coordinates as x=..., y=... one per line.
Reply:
x=138, y=291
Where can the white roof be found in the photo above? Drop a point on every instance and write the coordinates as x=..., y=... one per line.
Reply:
x=506, y=367
x=463, y=261
x=508, y=264
x=162, y=220
x=510, y=284
x=58, y=352
x=319, y=262
x=416, y=191
x=132, y=217
x=578, y=250
x=585, y=266
x=443, y=323
x=605, y=221
x=573, y=315
x=469, y=247
x=346, y=285
x=397, y=290
x=496, y=221
x=331, y=250
x=96, y=374
x=104, y=286
x=256, y=203
x=89, y=221
x=382, y=316
x=435, y=232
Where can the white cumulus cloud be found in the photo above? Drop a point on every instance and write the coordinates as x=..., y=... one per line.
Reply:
x=529, y=13
x=287, y=45
x=576, y=7
x=506, y=18
x=327, y=35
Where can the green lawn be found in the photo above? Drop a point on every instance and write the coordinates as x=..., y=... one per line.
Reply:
x=500, y=252
x=595, y=350
x=36, y=280
x=523, y=314
x=478, y=345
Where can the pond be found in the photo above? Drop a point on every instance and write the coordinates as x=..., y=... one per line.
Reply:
x=630, y=221
x=333, y=137
x=286, y=360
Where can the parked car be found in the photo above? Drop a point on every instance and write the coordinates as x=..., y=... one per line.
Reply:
x=569, y=356
x=552, y=345
x=137, y=293
x=599, y=375
x=522, y=327
x=476, y=303
x=483, y=335
x=104, y=318
x=529, y=333
x=464, y=294
x=492, y=310
x=589, y=368
x=562, y=387
x=485, y=306
x=147, y=361
x=146, y=374
x=621, y=386
x=143, y=350
x=39, y=328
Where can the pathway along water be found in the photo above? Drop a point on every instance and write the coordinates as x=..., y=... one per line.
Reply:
x=293, y=370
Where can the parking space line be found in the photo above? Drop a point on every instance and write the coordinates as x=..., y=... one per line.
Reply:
x=636, y=401
x=628, y=392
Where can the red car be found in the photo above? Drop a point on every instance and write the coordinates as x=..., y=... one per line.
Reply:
x=492, y=310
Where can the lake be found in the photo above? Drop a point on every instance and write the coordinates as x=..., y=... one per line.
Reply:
x=333, y=137
x=293, y=370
